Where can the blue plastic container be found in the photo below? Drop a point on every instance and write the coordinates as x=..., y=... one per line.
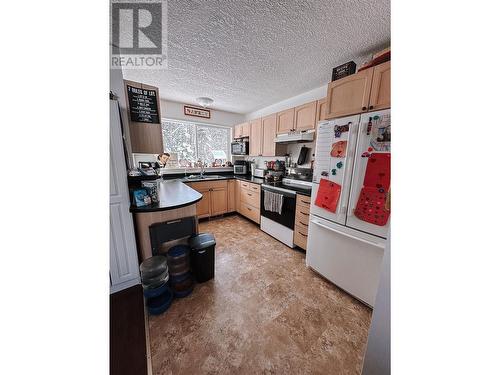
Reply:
x=155, y=292
x=160, y=304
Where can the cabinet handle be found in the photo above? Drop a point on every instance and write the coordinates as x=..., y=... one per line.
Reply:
x=304, y=202
x=364, y=108
x=303, y=213
x=303, y=224
x=249, y=194
x=371, y=107
x=249, y=209
x=302, y=234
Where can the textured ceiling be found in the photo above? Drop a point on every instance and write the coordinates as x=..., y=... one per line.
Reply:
x=247, y=55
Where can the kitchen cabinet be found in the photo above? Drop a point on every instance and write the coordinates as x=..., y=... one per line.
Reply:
x=380, y=94
x=305, y=116
x=231, y=195
x=285, y=121
x=215, y=198
x=144, y=137
x=364, y=91
x=242, y=130
x=249, y=200
x=321, y=110
x=349, y=95
x=255, y=137
x=237, y=195
x=302, y=211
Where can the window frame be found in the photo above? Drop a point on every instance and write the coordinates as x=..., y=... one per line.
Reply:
x=206, y=124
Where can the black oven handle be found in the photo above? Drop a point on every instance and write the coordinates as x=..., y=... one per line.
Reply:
x=284, y=192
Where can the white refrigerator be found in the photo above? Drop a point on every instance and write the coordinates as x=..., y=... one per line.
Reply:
x=350, y=203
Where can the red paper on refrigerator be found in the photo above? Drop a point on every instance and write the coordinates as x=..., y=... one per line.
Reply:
x=328, y=195
x=371, y=206
x=373, y=195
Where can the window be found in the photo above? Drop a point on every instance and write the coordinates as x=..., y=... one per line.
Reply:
x=188, y=142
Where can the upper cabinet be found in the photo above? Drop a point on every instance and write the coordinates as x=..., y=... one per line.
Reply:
x=321, y=110
x=255, y=137
x=242, y=130
x=349, y=95
x=367, y=90
x=380, y=96
x=285, y=121
x=305, y=116
x=269, y=147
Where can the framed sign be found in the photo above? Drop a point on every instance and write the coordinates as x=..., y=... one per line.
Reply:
x=143, y=105
x=197, y=112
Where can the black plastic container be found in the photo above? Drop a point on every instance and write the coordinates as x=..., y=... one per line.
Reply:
x=203, y=256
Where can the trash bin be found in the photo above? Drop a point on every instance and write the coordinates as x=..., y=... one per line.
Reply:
x=203, y=256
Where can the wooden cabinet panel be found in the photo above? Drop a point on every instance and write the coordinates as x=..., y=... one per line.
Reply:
x=268, y=135
x=300, y=237
x=237, y=196
x=304, y=201
x=285, y=121
x=245, y=130
x=251, y=198
x=305, y=116
x=349, y=95
x=144, y=138
x=302, y=217
x=255, y=137
x=321, y=110
x=203, y=206
x=218, y=201
x=237, y=131
x=231, y=195
x=251, y=212
x=380, y=95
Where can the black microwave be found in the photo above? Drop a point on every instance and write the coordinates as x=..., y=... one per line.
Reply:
x=239, y=148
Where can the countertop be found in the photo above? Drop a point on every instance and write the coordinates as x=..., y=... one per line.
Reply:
x=172, y=194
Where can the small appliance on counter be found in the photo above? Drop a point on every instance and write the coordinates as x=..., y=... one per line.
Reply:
x=239, y=148
x=240, y=167
x=259, y=172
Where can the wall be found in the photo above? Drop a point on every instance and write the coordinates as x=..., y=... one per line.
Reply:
x=175, y=110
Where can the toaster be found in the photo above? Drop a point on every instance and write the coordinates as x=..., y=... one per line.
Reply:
x=259, y=172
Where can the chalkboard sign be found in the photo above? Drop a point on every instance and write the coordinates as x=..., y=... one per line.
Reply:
x=142, y=105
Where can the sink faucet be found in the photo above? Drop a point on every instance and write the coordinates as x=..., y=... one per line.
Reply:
x=202, y=167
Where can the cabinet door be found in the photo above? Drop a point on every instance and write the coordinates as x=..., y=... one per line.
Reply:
x=349, y=95
x=268, y=135
x=218, y=201
x=237, y=196
x=237, y=131
x=231, y=191
x=245, y=130
x=305, y=116
x=203, y=206
x=255, y=137
x=285, y=121
x=380, y=96
x=321, y=110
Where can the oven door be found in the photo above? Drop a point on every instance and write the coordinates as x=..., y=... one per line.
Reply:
x=287, y=217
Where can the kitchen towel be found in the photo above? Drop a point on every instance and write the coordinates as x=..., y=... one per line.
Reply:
x=328, y=195
x=273, y=202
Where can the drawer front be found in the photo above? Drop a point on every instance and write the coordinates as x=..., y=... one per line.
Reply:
x=302, y=217
x=303, y=200
x=250, y=186
x=251, y=212
x=251, y=198
x=244, y=185
x=255, y=188
x=300, y=237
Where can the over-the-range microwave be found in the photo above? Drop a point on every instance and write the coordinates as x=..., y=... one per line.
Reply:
x=239, y=148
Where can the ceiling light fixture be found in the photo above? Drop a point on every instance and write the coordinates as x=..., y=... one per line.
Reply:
x=204, y=101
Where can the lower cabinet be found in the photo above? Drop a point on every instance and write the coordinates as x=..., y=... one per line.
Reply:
x=215, y=198
x=301, y=229
x=231, y=195
x=248, y=200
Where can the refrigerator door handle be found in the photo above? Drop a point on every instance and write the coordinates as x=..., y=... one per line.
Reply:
x=380, y=246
